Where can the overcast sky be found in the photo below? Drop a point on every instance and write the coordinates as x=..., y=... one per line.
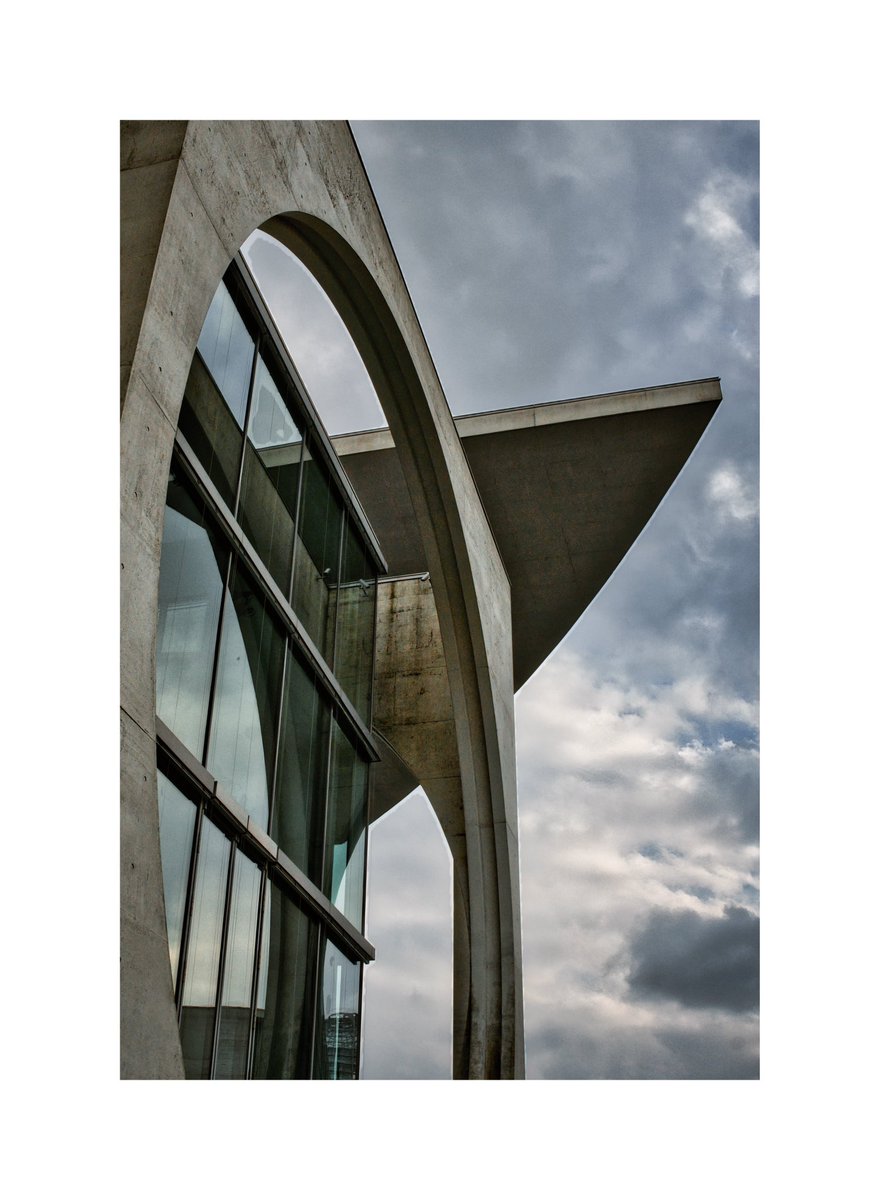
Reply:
x=546, y=261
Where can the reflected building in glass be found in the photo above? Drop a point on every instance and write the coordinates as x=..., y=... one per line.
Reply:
x=303, y=643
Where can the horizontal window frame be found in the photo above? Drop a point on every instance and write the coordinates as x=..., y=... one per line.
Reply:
x=244, y=551
x=187, y=773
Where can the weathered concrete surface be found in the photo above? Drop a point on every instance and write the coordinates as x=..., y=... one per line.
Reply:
x=190, y=198
x=414, y=713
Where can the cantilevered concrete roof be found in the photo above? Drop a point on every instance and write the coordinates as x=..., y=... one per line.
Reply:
x=567, y=488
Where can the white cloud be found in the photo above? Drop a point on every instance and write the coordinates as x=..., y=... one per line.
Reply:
x=714, y=218
x=622, y=815
x=731, y=495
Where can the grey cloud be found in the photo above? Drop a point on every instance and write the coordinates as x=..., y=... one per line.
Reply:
x=730, y=789
x=583, y=222
x=549, y=260
x=589, y=1049
x=698, y=961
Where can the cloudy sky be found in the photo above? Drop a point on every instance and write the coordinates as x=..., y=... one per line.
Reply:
x=546, y=261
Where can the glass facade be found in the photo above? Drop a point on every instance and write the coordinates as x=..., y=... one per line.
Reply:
x=264, y=670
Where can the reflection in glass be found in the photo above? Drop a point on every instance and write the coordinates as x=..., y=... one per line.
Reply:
x=241, y=753
x=298, y=815
x=228, y=351
x=270, y=483
x=177, y=817
x=346, y=825
x=355, y=620
x=203, y=953
x=212, y=431
x=190, y=590
x=316, y=570
x=283, y=1047
x=263, y=971
x=235, y=1013
x=337, y=1047
x=241, y=692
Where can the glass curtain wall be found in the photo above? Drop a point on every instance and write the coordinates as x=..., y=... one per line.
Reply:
x=264, y=668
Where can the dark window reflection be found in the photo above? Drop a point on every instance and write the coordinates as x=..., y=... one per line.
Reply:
x=203, y=953
x=355, y=620
x=298, y=816
x=337, y=1034
x=235, y=1011
x=284, y=1044
x=346, y=825
x=270, y=484
x=228, y=351
x=177, y=818
x=212, y=431
x=316, y=570
x=190, y=590
x=241, y=753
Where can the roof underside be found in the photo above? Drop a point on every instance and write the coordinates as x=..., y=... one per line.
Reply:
x=567, y=488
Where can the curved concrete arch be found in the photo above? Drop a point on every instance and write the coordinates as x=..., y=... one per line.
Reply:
x=191, y=194
x=470, y=599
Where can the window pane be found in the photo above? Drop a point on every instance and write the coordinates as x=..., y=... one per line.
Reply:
x=267, y=509
x=177, y=818
x=203, y=953
x=346, y=823
x=316, y=571
x=263, y=972
x=298, y=816
x=284, y=1045
x=355, y=621
x=211, y=430
x=232, y=1044
x=337, y=1037
x=228, y=351
x=190, y=589
x=241, y=753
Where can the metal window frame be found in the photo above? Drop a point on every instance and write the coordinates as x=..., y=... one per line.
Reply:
x=248, y=289
x=184, y=770
x=243, y=550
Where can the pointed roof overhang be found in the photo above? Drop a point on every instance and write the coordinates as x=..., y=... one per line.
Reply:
x=567, y=488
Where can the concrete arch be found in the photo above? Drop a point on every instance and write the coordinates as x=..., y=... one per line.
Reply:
x=191, y=194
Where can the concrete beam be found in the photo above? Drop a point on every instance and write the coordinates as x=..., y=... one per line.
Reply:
x=567, y=488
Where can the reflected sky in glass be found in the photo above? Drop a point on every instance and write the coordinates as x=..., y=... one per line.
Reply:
x=190, y=590
x=177, y=818
x=318, y=341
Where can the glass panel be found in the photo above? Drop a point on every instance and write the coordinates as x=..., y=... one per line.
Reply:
x=190, y=590
x=263, y=973
x=228, y=351
x=284, y=1044
x=298, y=815
x=241, y=753
x=203, y=953
x=235, y=1013
x=267, y=509
x=212, y=431
x=177, y=818
x=346, y=822
x=316, y=572
x=355, y=621
x=337, y=1036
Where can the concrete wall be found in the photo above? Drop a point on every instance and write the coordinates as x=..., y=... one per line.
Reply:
x=191, y=194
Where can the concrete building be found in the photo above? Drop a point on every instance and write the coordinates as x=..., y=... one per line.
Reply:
x=303, y=644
